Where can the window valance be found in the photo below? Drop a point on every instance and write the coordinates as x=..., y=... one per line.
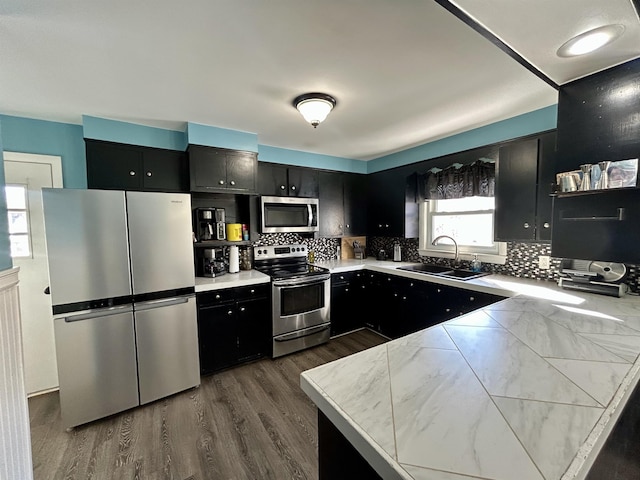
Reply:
x=474, y=180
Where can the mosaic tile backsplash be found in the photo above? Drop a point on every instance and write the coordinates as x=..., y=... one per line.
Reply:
x=522, y=258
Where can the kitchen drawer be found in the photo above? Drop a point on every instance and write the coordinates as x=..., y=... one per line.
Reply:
x=253, y=291
x=216, y=297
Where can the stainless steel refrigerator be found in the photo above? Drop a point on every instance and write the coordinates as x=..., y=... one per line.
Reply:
x=121, y=275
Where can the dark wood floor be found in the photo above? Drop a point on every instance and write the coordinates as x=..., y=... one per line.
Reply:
x=250, y=422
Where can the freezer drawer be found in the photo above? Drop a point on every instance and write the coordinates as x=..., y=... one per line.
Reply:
x=96, y=356
x=167, y=338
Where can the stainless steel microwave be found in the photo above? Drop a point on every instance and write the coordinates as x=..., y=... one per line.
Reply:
x=288, y=214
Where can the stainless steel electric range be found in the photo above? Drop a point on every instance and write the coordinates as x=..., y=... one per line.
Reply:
x=301, y=297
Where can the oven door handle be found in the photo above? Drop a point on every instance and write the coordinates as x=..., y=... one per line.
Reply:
x=302, y=281
x=303, y=333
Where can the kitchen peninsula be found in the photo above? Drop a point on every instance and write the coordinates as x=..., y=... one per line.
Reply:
x=526, y=388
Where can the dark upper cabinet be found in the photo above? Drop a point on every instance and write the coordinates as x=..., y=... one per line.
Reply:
x=130, y=167
x=342, y=204
x=221, y=170
x=386, y=203
x=598, y=117
x=525, y=172
x=355, y=204
x=280, y=180
x=597, y=225
x=331, y=208
x=303, y=182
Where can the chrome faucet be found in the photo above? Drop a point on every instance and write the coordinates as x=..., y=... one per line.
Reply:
x=455, y=244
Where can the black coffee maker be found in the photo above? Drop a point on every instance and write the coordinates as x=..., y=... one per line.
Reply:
x=210, y=224
x=210, y=262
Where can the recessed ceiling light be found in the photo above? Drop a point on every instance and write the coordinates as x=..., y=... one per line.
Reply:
x=589, y=41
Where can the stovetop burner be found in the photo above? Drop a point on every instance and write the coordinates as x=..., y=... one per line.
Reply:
x=285, y=262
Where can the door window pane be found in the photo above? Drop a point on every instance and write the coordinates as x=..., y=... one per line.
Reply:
x=18, y=216
x=16, y=197
x=20, y=245
x=18, y=221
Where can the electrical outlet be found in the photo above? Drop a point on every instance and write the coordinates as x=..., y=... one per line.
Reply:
x=543, y=262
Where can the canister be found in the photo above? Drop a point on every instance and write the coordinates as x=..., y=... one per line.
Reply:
x=234, y=232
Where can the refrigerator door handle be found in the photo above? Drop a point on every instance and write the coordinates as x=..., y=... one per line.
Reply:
x=165, y=302
x=103, y=312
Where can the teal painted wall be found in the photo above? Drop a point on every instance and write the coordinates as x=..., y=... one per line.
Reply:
x=5, y=248
x=67, y=140
x=526, y=124
x=306, y=159
x=26, y=135
x=198, y=134
x=133, y=134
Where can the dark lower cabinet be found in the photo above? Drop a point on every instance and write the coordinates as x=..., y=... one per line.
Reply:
x=397, y=306
x=337, y=457
x=234, y=326
x=346, y=300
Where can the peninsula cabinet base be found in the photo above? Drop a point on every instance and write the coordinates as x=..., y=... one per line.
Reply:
x=337, y=458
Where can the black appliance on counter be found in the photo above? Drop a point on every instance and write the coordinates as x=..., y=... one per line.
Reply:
x=301, y=297
x=604, y=278
x=209, y=224
x=210, y=262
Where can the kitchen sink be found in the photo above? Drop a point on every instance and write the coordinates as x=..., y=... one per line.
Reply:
x=441, y=271
x=426, y=268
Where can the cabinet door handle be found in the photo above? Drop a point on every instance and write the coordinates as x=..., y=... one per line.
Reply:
x=619, y=216
x=253, y=290
x=293, y=187
x=471, y=299
x=232, y=182
x=221, y=182
x=339, y=226
x=348, y=226
x=230, y=312
x=149, y=174
x=546, y=225
x=526, y=225
x=386, y=225
x=217, y=297
x=242, y=309
x=346, y=289
x=282, y=187
x=132, y=173
x=447, y=310
x=379, y=225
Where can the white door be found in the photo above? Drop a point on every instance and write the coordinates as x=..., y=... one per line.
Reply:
x=28, y=173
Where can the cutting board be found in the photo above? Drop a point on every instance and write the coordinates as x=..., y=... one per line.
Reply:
x=346, y=247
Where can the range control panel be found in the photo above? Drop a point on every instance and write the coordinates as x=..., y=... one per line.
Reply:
x=279, y=251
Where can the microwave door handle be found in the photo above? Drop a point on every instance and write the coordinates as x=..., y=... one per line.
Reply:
x=309, y=215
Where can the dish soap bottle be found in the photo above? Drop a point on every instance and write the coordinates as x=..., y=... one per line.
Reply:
x=476, y=265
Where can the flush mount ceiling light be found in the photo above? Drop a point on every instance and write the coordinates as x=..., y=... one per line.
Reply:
x=589, y=41
x=314, y=107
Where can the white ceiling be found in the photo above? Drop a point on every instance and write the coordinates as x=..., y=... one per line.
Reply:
x=404, y=72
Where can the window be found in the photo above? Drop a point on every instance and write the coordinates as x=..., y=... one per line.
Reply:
x=18, y=214
x=468, y=220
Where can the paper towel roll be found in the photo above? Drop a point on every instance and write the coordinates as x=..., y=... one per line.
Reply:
x=234, y=260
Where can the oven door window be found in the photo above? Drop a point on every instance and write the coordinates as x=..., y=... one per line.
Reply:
x=285, y=215
x=303, y=299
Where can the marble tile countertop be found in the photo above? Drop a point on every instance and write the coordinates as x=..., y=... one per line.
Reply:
x=231, y=280
x=527, y=388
